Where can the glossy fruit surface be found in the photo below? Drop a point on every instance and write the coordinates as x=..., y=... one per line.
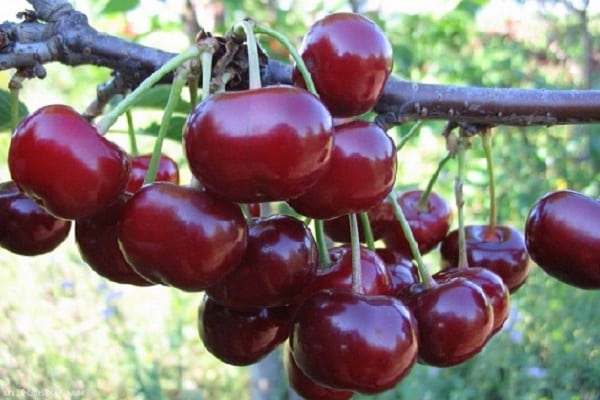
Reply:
x=25, y=228
x=360, y=174
x=306, y=387
x=241, y=338
x=354, y=342
x=338, y=229
x=280, y=261
x=349, y=58
x=181, y=236
x=492, y=285
x=562, y=235
x=168, y=171
x=63, y=163
x=454, y=320
x=429, y=225
x=501, y=250
x=402, y=270
x=97, y=240
x=259, y=145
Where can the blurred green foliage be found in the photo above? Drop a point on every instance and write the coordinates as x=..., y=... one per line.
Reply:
x=75, y=335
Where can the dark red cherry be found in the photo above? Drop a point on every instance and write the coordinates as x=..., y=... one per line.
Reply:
x=281, y=259
x=306, y=387
x=349, y=58
x=97, y=240
x=429, y=224
x=455, y=321
x=402, y=270
x=26, y=228
x=241, y=338
x=354, y=342
x=259, y=145
x=562, y=235
x=360, y=174
x=501, y=250
x=338, y=229
x=181, y=236
x=61, y=161
x=168, y=171
x=493, y=286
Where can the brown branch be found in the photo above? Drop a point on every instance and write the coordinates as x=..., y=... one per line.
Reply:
x=64, y=35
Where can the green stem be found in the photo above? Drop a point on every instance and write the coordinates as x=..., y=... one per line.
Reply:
x=409, y=135
x=355, y=248
x=458, y=195
x=425, y=196
x=324, y=258
x=131, y=134
x=246, y=211
x=207, y=57
x=308, y=81
x=367, y=231
x=424, y=273
x=252, y=46
x=176, y=87
x=486, y=138
x=111, y=117
x=14, y=107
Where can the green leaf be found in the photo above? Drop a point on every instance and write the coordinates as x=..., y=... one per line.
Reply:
x=5, y=110
x=156, y=98
x=117, y=6
x=174, y=132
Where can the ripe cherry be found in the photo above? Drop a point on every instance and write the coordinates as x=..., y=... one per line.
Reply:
x=501, y=250
x=306, y=387
x=562, y=234
x=280, y=261
x=429, y=224
x=349, y=58
x=26, y=228
x=259, y=145
x=181, y=236
x=454, y=319
x=97, y=239
x=402, y=270
x=354, y=342
x=61, y=161
x=360, y=174
x=241, y=338
x=168, y=171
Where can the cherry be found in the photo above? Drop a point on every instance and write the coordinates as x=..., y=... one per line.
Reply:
x=562, y=235
x=350, y=59
x=97, y=239
x=360, y=174
x=306, y=387
x=280, y=261
x=354, y=342
x=181, y=236
x=168, y=171
x=25, y=228
x=492, y=285
x=402, y=270
x=428, y=225
x=455, y=321
x=501, y=250
x=63, y=163
x=338, y=229
x=241, y=338
x=259, y=145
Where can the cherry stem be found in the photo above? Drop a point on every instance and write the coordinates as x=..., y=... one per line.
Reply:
x=246, y=211
x=355, y=248
x=14, y=107
x=486, y=140
x=367, y=231
x=324, y=258
x=179, y=81
x=131, y=134
x=207, y=57
x=463, y=263
x=408, y=136
x=425, y=196
x=129, y=101
x=308, y=81
x=424, y=273
x=248, y=27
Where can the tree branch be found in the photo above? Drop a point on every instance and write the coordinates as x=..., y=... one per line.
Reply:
x=64, y=35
